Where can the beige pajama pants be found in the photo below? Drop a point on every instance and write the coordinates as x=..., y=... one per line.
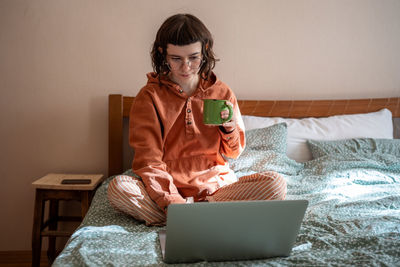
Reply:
x=128, y=194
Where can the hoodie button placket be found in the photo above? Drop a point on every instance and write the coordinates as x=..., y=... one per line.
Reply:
x=189, y=118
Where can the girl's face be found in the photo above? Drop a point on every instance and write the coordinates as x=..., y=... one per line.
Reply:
x=184, y=62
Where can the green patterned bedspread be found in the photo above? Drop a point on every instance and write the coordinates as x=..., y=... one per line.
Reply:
x=353, y=218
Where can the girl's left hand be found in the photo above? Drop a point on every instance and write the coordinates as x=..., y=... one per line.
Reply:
x=229, y=125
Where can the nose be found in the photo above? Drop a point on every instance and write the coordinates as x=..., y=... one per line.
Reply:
x=186, y=64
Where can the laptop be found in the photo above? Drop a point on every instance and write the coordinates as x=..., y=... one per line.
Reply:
x=227, y=231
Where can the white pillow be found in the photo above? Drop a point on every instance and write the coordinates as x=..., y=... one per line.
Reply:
x=368, y=125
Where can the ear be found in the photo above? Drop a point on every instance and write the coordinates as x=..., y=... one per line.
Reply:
x=160, y=49
x=206, y=46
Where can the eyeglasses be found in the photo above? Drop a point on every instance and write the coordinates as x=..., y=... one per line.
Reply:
x=175, y=63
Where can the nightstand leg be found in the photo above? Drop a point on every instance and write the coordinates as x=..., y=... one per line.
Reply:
x=53, y=217
x=37, y=228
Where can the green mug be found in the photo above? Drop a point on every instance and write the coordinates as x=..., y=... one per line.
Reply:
x=212, y=111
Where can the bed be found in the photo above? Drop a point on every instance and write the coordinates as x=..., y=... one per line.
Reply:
x=338, y=154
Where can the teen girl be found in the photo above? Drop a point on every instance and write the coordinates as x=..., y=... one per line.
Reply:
x=177, y=157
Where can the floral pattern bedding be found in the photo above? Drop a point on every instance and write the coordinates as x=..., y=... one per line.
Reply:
x=353, y=218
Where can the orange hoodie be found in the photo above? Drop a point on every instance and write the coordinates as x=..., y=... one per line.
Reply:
x=176, y=155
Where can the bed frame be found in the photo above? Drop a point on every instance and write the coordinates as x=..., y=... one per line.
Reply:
x=119, y=108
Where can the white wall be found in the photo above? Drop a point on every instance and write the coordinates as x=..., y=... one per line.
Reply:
x=60, y=59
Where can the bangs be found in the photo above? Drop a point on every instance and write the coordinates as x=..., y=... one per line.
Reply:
x=183, y=33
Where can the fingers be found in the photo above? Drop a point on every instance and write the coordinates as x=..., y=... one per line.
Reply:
x=231, y=124
x=229, y=103
x=224, y=114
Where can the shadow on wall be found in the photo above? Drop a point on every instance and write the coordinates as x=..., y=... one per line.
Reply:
x=396, y=128
x=97, y=133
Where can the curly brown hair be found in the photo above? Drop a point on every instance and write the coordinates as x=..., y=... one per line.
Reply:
x=183, y=29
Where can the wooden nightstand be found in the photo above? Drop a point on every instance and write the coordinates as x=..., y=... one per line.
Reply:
x=50, y=188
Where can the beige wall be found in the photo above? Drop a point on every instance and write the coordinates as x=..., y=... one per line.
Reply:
x=60, y=59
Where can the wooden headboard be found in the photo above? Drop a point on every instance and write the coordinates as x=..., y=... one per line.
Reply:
x=119, y=107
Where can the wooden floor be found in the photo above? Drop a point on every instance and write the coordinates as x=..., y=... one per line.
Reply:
x=20, y=259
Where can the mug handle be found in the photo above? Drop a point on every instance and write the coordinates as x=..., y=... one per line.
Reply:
x=230, y=113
